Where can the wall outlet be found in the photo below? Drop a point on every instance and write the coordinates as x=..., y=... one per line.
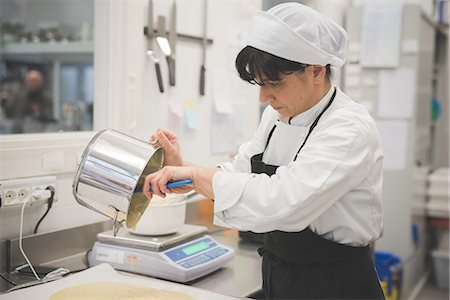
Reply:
x=15, y=192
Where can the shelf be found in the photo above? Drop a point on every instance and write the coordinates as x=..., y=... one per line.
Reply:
x=438, y=209
x=48, y=48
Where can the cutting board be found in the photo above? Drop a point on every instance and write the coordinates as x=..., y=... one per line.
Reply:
x=105, y=272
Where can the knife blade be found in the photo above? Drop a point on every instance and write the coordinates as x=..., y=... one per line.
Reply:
x=150, y=51
x=172, y=43
x=163, y=43
x=202, y=68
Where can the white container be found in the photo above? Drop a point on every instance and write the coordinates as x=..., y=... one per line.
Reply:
x=439, y=183
x=441, y=268
x=162, y=216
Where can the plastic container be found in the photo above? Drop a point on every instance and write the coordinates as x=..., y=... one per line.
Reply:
x=389, y=271
x=439, y=183
x=441, y=268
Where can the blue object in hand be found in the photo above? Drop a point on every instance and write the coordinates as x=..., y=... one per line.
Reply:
x=170, y=185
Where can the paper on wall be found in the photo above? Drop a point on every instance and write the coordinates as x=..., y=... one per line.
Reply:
x=352, y=81
x=394, y=139
x=410, y=46
x=381, y=34
x=191, y=114
x=175, y=117
x=354, y=47
x=227, y=130
x=370, y=81
x=354, y=93
x=222, y=85
x=396, y=92
x=352, y=69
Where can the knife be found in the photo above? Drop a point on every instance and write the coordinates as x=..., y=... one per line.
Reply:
x=163, y=43
x=172, y=43
x=202, y=68
x=150, y=51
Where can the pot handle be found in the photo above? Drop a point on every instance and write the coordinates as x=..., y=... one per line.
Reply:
x=169, y=185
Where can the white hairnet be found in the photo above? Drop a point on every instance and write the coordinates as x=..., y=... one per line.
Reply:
x=299, y=33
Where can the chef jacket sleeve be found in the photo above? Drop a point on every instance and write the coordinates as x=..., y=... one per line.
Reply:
x=334, y=160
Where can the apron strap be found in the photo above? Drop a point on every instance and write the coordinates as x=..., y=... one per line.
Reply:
x=315, y=123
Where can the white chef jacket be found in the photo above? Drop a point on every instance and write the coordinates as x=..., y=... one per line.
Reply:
x=334, y=186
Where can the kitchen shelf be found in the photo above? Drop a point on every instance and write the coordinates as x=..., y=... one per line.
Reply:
x=48, y=48
x=437, y=209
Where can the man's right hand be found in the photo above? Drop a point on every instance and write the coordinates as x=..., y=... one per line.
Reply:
x=168, y=140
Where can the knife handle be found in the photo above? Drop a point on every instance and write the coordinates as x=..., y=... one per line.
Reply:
x=158, y=75
x=171, y=66
x=202, y=80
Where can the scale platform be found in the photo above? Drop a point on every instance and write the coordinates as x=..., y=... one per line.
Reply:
x=153, y=243
x=182, y=257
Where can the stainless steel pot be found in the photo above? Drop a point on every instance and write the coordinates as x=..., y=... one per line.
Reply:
x=112, y=167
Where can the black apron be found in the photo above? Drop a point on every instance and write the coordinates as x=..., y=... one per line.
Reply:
x=304, y=265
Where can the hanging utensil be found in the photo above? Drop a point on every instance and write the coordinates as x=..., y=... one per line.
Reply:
x=202, y=68
x=150, y=51
x=172, y=43
x=163, y=42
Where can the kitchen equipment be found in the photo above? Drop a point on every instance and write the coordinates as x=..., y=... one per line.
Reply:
x=163, y=42
x=162, y=216
x=172, y=43
x=150, y=51
x=183, y=256
x=112, y=166
x=202, y=68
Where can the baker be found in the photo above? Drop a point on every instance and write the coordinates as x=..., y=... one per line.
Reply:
x=311, y=177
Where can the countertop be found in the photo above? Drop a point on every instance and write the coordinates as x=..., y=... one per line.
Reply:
x=239, y=278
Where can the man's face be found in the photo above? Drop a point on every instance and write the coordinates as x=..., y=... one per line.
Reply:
x=33, y=81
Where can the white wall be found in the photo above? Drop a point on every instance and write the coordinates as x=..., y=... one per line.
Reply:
x=127, y=98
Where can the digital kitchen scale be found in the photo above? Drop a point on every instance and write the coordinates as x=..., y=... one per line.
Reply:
x=183, y=256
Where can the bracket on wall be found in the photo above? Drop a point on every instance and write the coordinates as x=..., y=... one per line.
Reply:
x=186, y=37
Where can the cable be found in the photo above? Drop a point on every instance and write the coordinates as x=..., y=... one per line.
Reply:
x=49, y=205
x=20, y=240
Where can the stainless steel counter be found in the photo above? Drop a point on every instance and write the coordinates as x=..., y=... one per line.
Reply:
x=239, y=278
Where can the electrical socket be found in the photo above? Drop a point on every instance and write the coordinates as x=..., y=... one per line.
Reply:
x=14, y=192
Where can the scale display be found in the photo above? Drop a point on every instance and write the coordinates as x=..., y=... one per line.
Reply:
x=190, y=249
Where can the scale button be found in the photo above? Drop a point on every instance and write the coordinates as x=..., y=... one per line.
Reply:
x=187, y=265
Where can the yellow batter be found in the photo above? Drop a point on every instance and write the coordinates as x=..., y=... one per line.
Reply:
x=115, y=291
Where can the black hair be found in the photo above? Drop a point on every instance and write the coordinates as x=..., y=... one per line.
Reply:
x=252, y=63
